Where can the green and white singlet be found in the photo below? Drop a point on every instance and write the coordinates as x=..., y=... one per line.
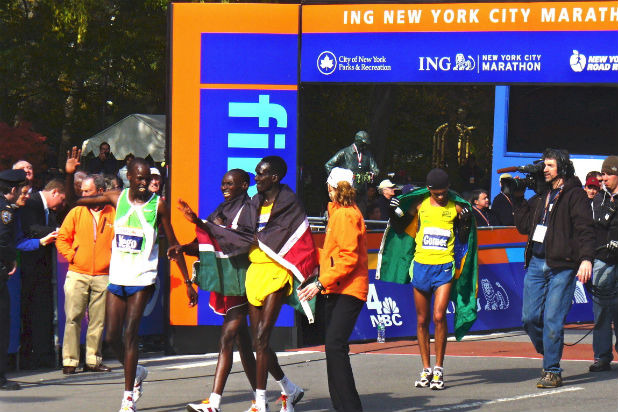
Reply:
x=135, y=249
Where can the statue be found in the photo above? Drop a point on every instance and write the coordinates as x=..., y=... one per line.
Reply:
x=359, y=160
x=451, y=143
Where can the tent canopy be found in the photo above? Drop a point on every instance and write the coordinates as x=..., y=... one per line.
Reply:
x=140, y=134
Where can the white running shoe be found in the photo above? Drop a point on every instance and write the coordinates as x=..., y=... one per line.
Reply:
x=141, y=374
x=255, y=408
x=423, y=381
x=437, y=382
x=204, y=406
x=289, y=401
x=128, y=405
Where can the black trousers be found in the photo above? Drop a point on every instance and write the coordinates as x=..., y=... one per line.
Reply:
x=5, y=326
x=341, y=312
x=37, y=316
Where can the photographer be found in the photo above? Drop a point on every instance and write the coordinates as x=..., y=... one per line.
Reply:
x=605, y=271
x=560, y=247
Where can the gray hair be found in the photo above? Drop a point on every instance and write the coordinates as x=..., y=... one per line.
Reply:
x=98, y=180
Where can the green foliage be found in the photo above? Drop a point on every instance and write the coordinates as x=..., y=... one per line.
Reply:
x=74, y=67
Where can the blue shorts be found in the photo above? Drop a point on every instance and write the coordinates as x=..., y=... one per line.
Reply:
x=125, y=291
x=428, y=278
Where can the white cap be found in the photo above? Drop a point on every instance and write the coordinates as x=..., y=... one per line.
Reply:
x=339, y=174
x=154, y=171
x=386, y=183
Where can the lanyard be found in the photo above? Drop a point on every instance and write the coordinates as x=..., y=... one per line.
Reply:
x=507, y=199
x=482, y=215
x=359, y=155
x=548, y=202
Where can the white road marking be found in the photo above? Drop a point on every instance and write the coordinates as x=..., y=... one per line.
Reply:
x=235, y=359
x=502, y=400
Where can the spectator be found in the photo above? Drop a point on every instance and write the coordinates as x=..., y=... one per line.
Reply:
x=105, y=163
x=112, y=182
x=26, y=167
x=480, y=208
x=386, y=190
x=502, y=206
x=78, y=178
x=372, y=193
x=38, y=219
x=156, y=182
x=122, y=173
x=592, y=187
x=85, y=240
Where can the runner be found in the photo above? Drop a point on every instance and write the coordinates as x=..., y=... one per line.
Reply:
x=227, y=281
x=133, y=269
x=282, y=255
x=435, y=220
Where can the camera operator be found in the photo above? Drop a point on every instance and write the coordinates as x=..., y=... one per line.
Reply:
x=560, y=247
x=511, y=192
x=605, y=270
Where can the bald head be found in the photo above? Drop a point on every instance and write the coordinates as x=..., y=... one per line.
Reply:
x=26, y=167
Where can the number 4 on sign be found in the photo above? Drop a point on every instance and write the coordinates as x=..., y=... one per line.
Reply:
x=373, y=302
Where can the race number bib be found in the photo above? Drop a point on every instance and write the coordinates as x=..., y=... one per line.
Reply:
x=435, y=238
x=129, y=240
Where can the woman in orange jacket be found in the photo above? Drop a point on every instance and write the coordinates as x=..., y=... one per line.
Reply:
x=344, y=283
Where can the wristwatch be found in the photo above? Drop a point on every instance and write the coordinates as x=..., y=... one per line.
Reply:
x=319, y=285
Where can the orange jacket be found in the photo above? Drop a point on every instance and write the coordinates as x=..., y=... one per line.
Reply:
x=343, y=259
x=87, y=250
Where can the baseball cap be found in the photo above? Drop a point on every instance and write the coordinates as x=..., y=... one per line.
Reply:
x=610, y=165
x=386, y=183
x=505, y=176
x=155, y=171
x=593, y=181
x=339, y=174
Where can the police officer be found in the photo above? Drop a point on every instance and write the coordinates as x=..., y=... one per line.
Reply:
x=9, y=180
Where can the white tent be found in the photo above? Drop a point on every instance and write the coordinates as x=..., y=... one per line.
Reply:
x=140, y=134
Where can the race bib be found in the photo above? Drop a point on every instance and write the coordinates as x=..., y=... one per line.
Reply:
x=539, y=233
x=129, y=239
x=435, y=238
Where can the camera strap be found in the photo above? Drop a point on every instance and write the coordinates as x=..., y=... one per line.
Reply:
x=550, y=201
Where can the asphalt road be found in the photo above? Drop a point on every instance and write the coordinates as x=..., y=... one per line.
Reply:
x=482, y=374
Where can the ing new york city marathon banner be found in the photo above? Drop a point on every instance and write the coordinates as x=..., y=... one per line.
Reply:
x=236, y=69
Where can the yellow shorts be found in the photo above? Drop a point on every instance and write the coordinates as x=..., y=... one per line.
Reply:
x=264, y=279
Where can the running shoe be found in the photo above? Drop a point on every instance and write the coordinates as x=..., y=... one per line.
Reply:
x=128, y=405
x=437, y=382
x=141, y=374
x=204, y=406
x=296, y=396
x=255, y=408
x=550, y=380
x=423, y=381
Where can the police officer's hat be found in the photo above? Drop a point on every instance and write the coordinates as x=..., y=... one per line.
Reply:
x=12, y=178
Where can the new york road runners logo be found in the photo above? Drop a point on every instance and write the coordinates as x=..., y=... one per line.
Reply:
x=387, y=310
x=577, y=61
x=327, y=63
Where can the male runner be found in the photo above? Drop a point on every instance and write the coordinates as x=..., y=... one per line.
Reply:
x=433, y=220
x=133, y=269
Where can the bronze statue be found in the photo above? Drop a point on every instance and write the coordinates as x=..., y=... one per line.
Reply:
x=359, y=160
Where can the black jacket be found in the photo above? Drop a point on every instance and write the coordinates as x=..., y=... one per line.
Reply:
x=570, y=235
x=502, y=209
x=605, y=230
x=34, y=227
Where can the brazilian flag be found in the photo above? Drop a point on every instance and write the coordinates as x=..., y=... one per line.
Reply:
x=397, y=252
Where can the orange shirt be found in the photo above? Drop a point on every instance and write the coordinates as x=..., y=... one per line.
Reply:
x=85, y=243
x=343, y=259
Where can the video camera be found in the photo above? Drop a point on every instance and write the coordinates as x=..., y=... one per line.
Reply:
x=534, y=178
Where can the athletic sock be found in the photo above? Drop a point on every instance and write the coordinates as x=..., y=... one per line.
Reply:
x=214, y=400
x=127, y=395
x=287, y=386
x=260, y=398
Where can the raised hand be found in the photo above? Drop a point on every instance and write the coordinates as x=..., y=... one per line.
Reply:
x=187, y=212
x=72, y=162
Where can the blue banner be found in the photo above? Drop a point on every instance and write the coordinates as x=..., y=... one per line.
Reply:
x=475, y=57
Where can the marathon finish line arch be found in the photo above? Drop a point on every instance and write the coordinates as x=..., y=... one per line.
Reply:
x=234, y=81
